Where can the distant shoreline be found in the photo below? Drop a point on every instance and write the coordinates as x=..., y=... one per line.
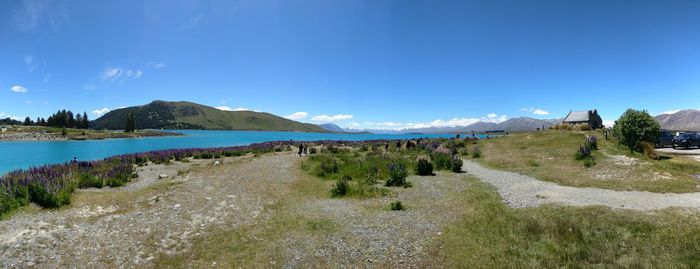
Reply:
x=31, y=133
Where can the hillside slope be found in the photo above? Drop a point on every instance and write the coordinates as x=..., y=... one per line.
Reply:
x=684, y=120
x=188, y=115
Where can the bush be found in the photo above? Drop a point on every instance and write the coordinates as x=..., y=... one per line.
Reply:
x=312, y=150
x=396, y=206
x=635, y=126
x=328, y=165
x=588, y=162
x=397, y=175
x=533, y=163
x=442, y=161
x=583, y=152
x=424, y=167
x=340, y=189
x=592, y=142
x=476, y=152
x=456, y=164
x=649, y=150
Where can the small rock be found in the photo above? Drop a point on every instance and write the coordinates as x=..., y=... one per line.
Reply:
x=162, y=176
x=217, y=163
x=176, y=206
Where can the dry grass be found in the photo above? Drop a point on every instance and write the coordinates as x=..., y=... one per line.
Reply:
x=615, y=167
x=492, y=235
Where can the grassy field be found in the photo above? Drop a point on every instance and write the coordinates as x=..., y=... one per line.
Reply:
x=549, y=156
x=492, y=235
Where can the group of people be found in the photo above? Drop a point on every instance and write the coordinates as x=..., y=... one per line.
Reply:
x=303, y=149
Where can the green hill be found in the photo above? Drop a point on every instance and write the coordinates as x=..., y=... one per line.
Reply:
x=187, y=115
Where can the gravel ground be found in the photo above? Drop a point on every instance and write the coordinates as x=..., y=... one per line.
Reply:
x=131, y=226
x=524, y=191
x=121, y=233
x=368, y=234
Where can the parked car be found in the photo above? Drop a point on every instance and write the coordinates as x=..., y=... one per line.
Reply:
x=686, y=140
x=665, y=139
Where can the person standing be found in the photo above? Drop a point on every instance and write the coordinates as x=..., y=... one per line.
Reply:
x=301, y=149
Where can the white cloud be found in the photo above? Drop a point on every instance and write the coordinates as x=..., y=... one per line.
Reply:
x=454, y=122
x=331, y=118
x=245, y=109
x=191, y=23
x=100, y=112
x=156, y=65
x=118, y=74
x=19, y=89
x=536, y=111
x=4, y=115
x=224, y=108
x=671, y=111
x=46, y=78
x=608, y=123
x=540, y=112
x=297, y=115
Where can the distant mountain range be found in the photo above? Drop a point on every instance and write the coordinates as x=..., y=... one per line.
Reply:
x=522, y=124
x=187, y=115
x=684, y=120
x=331, y=127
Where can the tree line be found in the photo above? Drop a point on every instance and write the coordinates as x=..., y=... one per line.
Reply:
x=61, y=119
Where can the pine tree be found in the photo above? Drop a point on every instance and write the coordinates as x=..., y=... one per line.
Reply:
x=78, y=121
x=27, y=121
x=129, y=125
x=86, y=122
x=70, y=120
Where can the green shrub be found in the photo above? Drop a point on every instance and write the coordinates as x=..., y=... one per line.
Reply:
x=635, y=126
x=442, y=161
x=588, y=162
x=312, y=150
x=328, y=165
x=89, y=181
x=49, y=199
x=340, y=188
x=397, y=175
x=533, y=163
x=456, y=164
x=424, y=167
x=396, y=206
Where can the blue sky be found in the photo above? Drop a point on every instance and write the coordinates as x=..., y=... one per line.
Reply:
x=362, y=64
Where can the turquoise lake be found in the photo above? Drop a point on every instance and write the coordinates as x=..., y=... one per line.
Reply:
x=25, y=154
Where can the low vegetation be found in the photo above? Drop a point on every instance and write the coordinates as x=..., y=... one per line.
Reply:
x=360, y=168
x=612, y=166
x=492, y=235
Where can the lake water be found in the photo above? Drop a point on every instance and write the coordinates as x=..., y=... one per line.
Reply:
x=16, y=155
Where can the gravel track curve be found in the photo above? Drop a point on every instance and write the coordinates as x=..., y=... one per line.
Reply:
x=524, y=191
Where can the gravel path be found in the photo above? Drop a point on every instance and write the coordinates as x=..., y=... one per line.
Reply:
x=524, y=191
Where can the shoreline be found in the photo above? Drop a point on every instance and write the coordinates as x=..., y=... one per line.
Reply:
x=82, y=135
